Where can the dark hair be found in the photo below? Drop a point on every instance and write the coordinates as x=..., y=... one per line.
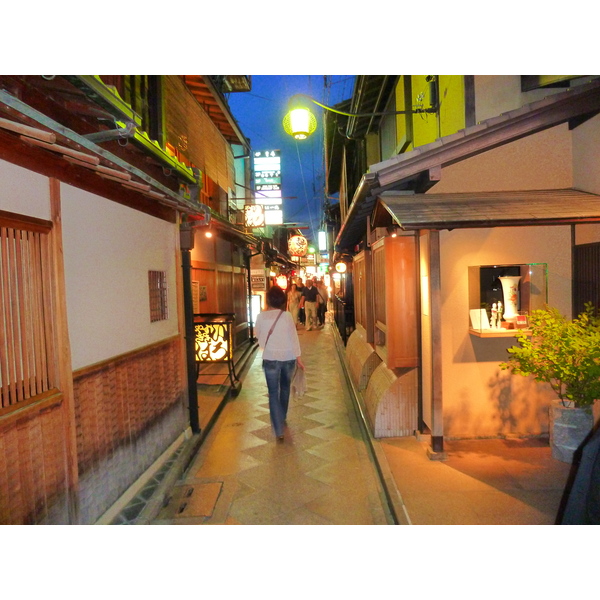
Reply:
x=276, y=297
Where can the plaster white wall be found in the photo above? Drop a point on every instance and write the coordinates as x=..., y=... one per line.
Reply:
x=497, y=94
x=541, y=161
x=586, y=156
x=479, y=399
x=586, y=171
x=587, y=234
x=24, y=192
x=108, y=251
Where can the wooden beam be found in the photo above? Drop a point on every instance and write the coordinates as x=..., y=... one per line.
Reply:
x=63, y=346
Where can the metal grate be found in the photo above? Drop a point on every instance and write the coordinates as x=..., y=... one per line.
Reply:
x=157, y=284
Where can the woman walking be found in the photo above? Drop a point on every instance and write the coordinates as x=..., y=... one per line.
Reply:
x=277, y=336
x=293, y=302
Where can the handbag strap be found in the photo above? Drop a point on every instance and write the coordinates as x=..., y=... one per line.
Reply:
x=272, y=327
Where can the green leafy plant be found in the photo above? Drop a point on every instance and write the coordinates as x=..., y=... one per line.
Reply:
x=564, y=353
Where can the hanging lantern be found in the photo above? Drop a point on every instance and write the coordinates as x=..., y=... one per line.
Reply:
x=282, y=281
x=297, y=245
x=340, y=267
x=299, y=122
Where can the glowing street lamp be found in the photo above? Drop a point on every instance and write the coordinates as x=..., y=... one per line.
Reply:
x=299, y=122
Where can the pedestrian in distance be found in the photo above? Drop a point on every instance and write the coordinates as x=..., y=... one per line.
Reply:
x=277, y=336
x=322, y=302
x=300, y=288
x=309, y=304
x=293, y=302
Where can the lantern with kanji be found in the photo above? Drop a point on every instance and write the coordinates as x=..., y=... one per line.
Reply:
x=297, y=245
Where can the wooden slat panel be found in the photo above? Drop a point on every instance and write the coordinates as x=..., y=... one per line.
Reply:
x=4, y=341
x=22, y=367
x=29, y=333
x=14, y=354
x=26, y=322
x=586, y=276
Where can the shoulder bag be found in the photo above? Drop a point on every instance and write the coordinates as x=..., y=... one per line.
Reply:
x=272, y=327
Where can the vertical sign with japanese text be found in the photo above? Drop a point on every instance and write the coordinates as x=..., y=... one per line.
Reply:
x=267, y=180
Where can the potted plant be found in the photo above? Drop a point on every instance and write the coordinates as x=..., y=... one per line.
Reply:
x=565, y=354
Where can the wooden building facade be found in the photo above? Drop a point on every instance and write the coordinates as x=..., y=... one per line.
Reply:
x=473, y=173
x=97, y=175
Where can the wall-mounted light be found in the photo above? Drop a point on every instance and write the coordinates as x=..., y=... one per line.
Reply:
x=300, y=123
x=393, y=230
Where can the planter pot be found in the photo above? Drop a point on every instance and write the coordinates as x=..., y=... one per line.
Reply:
x=568, y=428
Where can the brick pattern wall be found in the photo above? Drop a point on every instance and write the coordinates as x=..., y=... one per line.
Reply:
x=33, y=470
x=117, y=400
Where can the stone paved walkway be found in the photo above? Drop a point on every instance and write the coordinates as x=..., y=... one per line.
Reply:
x=321, y=474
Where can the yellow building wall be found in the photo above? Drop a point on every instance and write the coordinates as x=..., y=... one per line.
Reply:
x=452, y=103
x=427, y=127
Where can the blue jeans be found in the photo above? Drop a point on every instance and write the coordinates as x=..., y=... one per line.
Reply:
x=278, y=374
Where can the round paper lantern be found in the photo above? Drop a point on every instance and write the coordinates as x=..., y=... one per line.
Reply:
x=297, y=245
x=340, y=267
x=282, y=281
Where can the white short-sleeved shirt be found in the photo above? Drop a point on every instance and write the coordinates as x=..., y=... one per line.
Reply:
x=283, y=343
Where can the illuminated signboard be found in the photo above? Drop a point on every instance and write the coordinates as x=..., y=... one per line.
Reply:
x=267, y=181
x=254, y=215
x=213, y=342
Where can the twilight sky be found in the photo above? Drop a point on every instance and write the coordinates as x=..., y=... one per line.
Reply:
x=260, y=113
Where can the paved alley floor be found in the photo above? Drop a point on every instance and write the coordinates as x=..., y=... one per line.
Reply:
x=321, y=474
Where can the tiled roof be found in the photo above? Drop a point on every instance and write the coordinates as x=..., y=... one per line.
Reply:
x=492, y=209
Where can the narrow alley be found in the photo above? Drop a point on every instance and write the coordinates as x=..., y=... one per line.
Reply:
x=329, y=470
x=321, y=474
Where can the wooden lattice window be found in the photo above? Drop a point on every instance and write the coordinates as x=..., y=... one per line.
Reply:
x=360, y=290
x=379, y=275
x=27, y=356
x=157, y=283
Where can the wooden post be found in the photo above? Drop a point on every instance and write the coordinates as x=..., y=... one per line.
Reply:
x=437, y=425
x=63, y=345
x=186, y=245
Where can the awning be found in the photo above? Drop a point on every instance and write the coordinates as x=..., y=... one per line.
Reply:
x=491, y=209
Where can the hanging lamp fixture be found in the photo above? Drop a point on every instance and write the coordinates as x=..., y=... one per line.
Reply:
x=300, y=122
